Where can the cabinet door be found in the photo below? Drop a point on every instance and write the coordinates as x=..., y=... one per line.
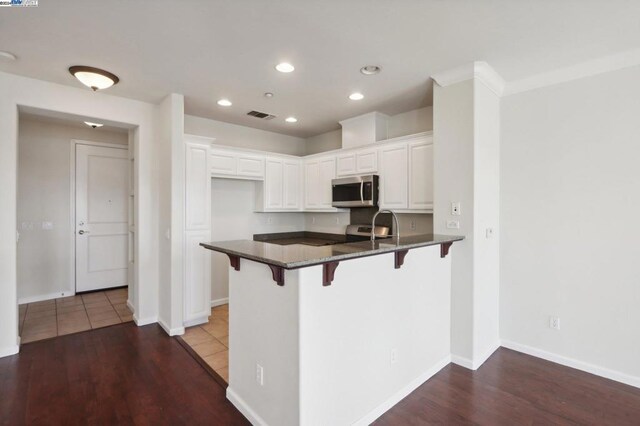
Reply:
x=197, y=278
x=367, y=161
x=223, y=163
x=327, y=172
x=273, y=184
x=311, y=184
x=346, y=164
x=292, y=186
x=421, y=175
x=197, y=187
x=394, y=177
x=250, y=166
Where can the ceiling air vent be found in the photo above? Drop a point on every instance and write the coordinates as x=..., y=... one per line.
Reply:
x=261, y=115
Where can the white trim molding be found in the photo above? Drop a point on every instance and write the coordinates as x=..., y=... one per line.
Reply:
x=219, y=302
x=402, y=393
x=242, y=406
x=574, y=363
x=144, y=321
x=8, y=351
x=479, y=70
x=627, y=59
x=177, y=331
x=478, y=361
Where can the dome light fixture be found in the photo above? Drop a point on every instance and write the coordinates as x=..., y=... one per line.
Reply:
x=93, y=125
x=291, y=120
x=95, y=78
x=224, y=102
x=285, y=67
x=356, y=96
x=7, y=55
x=370, y=69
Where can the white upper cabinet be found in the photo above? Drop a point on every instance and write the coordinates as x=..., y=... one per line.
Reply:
x=197, y=187
x=393, y=176
x=357, y=162
x=406, y=174
x=282, y=187
x=237, y=164
x=318, y=173
x=421, y=175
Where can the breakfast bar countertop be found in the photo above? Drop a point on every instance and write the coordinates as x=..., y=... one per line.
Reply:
x=294, y=256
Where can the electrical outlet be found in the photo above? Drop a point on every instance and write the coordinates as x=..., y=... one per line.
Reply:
x=269, y=220
x=455, y=208
x=259, y=375
x=313, y=219
x=337, y=221
x=554, y=323
x=453, y=224
x=47, y=226
x=413, y=225
x=489, y=233
x=394, y=356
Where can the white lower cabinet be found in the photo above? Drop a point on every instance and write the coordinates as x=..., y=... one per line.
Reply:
x=197, y=278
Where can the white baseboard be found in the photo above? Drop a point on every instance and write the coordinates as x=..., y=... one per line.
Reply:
x=242, y=406
x=42, y=297
x=218, y=302
x=478, y=361
x=130, y=306
x=197, y=321
x=402, y=393
x=176, y=331
x=9, y=350
x=574, y=363
x=144, y=321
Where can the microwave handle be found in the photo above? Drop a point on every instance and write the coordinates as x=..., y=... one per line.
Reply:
x=362, y=191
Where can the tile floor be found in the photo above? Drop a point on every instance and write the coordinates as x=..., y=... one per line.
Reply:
x=211, y=340
x=66, y=315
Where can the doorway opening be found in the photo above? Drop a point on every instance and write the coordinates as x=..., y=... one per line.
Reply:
x=75, y=222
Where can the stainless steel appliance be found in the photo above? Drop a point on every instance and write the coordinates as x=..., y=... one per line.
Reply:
x=355, y=191
x=365, y=232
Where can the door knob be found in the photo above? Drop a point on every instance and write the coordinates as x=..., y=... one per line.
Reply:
x=81, y=232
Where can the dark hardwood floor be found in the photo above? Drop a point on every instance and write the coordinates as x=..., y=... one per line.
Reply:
x=516, y=389
x=125, y=374
x=117, y=375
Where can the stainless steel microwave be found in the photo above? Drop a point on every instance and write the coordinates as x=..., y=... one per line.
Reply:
x=355, y=191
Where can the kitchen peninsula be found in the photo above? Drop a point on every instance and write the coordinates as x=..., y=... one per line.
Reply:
x=335, y=334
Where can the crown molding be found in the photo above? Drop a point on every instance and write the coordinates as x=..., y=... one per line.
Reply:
x=479, y=70
x=602, y=65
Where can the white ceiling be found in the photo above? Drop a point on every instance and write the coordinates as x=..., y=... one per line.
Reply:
x=207, y=50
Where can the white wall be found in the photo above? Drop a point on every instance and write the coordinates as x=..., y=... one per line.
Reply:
x=570, y=203
x=406, y=123
x=83, y=103
x=44, y=256
x=233, y=218
x=244, y=137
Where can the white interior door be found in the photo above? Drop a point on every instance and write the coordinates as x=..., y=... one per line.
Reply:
x=102, y=182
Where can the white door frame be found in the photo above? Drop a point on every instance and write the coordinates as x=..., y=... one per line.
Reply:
x=72, y=205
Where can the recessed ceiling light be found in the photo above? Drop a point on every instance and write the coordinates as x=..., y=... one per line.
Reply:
x=356, y=96
x=370, y=69
x=95, y=78
x=285, y=67
x=268, y=95
x=224, y=102
x=94, y=125
x=7, y=55
x=291, y=119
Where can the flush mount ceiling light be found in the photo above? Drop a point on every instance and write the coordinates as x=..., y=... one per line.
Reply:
x=268, y=95
x=370, y=69
x=285, y=67
x=356, y=96
x=7, y=55
x=95, y=78
x=224, y=102
x=94, y=125
x=291, y=120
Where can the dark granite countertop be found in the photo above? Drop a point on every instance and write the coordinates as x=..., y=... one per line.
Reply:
x=301, y=237
x=294, y=256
